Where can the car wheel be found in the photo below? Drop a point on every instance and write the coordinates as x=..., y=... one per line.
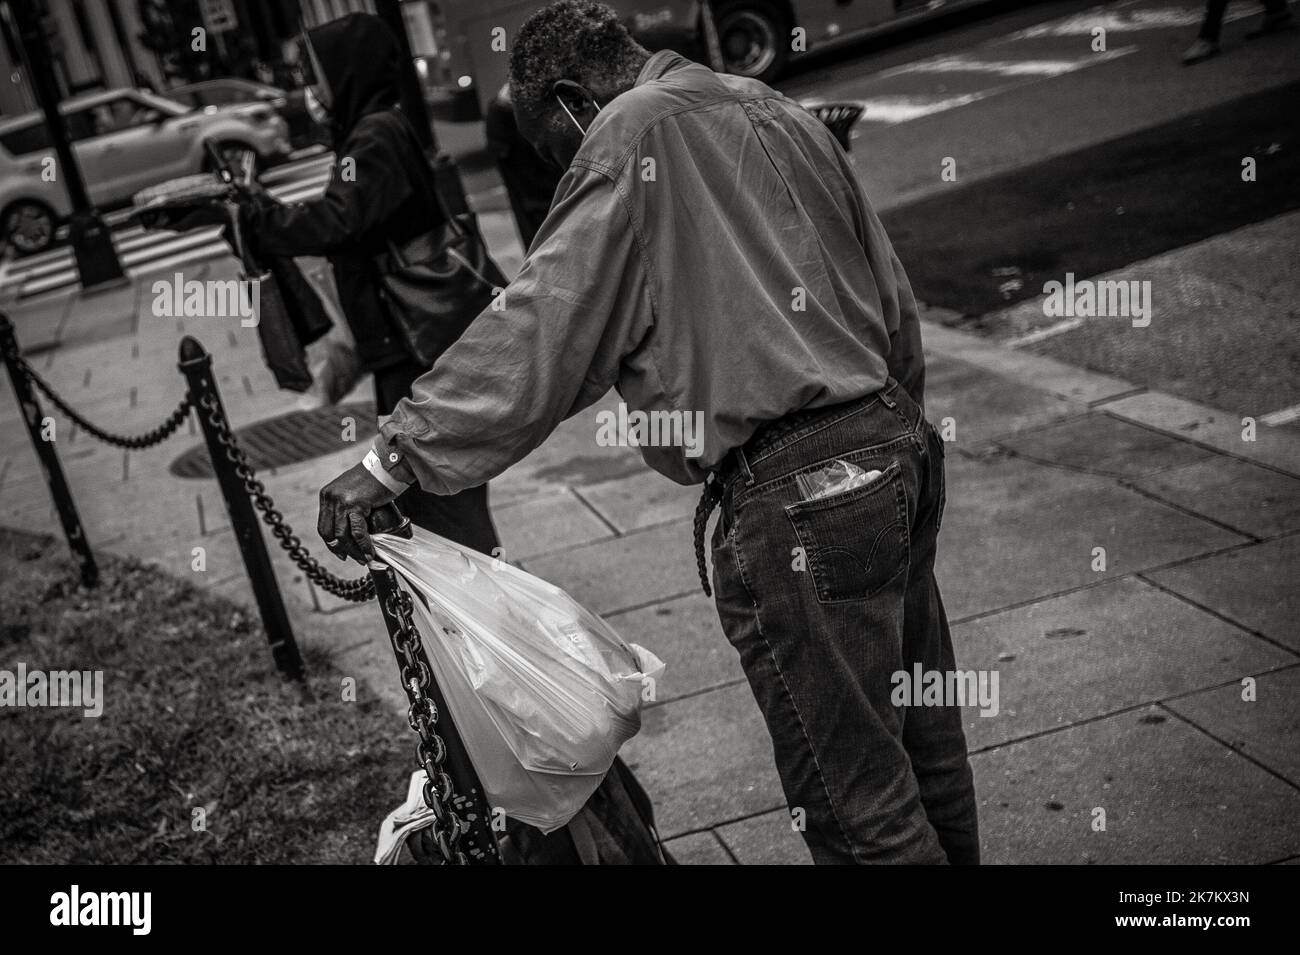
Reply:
x=28, y=226
x=233, y=154
x=754, y=36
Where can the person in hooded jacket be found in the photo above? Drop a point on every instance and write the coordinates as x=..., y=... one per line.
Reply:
x=382, y=188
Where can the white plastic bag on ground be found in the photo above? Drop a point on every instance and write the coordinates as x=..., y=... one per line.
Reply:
x=542, y=691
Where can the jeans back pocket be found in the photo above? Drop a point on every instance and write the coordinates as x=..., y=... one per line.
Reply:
x=857, y=542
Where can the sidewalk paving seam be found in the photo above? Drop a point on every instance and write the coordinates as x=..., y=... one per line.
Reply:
x=556, y=552
x=649, y=603
x=1074, y=468
x=63, y=319
x=1214, y=613
x=1128, y=485
x=1201, y=444
x=1099, y=403
x=1224, y=743
x=1020, y=605
x=726, y=822
x=599, y=516
x=1039, y=372
x=1130, y=708
x=726, y=684
x=615, y=534
x=725, y=848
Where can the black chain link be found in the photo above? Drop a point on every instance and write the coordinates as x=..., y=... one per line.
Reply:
x=134, y=443
x=357, y=590
x=422, y=715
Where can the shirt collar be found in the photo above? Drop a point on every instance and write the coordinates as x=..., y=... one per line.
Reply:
x=658, y=64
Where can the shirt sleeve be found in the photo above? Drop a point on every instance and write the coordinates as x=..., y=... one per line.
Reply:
x=365, y=190
x=550, y=345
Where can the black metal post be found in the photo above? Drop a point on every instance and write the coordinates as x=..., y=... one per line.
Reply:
x=409, y=87
x=92, y=243
x=470, y=802
x=411, y=90
x=196, y=365
x=49, y=458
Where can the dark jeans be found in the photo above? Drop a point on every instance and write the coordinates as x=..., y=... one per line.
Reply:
x=464, y=517
x=825, y=600
x=1212, y=25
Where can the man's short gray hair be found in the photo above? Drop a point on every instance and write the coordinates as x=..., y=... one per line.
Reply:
x=577, y=40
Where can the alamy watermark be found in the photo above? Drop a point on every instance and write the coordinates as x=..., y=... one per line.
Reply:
x=923, y=687
x=651, y=429
x=130, y=909
x=79, y=689
x=210, y=298
x=1091, y=298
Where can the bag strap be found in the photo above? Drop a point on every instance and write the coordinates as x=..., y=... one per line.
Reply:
x=408, y=130
x=454, y=222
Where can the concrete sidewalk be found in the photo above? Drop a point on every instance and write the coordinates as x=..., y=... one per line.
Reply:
x=1121, y=685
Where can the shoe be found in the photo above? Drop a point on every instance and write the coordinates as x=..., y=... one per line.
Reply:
x=1273, y=23
x=1200, y=50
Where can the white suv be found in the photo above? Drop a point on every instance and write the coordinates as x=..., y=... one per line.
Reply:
x=124, y=141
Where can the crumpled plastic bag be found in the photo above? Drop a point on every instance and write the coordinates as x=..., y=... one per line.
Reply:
x=833, y=479
x=542, y=691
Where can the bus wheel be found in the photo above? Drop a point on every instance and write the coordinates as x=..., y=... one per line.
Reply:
x=754, y=36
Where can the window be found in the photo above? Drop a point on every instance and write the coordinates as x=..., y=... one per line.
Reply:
x=221, y=95
x=27, y=139
x=190, y=98
x=81, y=125
x=113, y=116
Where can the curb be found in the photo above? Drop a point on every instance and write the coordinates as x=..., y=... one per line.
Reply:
x=1212, y=428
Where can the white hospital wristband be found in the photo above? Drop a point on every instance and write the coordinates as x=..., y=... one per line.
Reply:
x=371, y=462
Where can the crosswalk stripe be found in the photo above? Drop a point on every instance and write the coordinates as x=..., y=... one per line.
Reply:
x=1114, y=20
x=1284, y=416
x=890, y=109
x=138, y=247
x=211, y=250
x=966, y=63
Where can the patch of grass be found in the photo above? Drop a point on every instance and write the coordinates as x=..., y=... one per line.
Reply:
x=194, y=716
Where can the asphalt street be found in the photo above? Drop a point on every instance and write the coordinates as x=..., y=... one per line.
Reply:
x=1013, y=146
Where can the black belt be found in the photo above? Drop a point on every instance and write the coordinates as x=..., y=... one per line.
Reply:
x=766, y=435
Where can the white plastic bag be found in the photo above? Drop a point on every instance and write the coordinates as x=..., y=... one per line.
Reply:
x=542, y=691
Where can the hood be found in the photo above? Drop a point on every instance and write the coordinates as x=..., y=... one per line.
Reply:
x=359, y=58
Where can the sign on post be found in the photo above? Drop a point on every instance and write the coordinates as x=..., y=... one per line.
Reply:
x=218, y=15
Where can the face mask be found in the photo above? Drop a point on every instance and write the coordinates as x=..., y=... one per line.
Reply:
x=315, y=109
x=570, y=115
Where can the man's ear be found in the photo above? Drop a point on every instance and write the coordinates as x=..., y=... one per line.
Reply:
x=574, y=95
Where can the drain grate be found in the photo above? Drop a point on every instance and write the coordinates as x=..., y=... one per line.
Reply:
x=286, y=439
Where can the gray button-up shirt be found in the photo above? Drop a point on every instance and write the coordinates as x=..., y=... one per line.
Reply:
x=711, y=255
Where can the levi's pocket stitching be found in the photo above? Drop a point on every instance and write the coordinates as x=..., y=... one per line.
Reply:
x=821, y=558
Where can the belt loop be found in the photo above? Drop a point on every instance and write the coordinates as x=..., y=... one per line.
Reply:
x=890, y=403
x=743, y=462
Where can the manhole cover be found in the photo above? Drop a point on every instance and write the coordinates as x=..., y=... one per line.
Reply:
x=286, y=439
